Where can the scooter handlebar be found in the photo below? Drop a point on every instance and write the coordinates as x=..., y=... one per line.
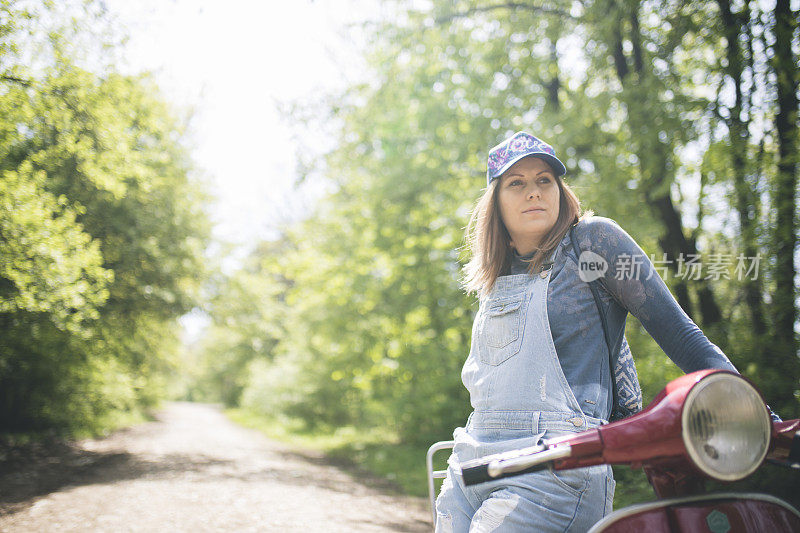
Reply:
x=512, y=463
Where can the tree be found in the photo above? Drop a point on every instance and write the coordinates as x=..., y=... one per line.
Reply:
x=102, y=231
x=658, y=110
x=785, y=295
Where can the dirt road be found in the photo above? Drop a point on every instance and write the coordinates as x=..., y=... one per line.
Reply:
x=194, y=470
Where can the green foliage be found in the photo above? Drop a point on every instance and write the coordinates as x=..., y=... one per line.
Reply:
x=367, y=324
x=362, y=452
x=102, y=236
x=48, y=263
x=248, y=312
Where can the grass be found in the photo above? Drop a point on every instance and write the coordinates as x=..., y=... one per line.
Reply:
x=632, y=487
x=403, y=465
x=369, y=451
x=98, y=428
x=113, y=421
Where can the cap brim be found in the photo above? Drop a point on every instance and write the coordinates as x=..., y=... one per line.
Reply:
x=557, y=166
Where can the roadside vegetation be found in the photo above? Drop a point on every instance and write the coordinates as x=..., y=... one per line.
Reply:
x=672, y=120
x=102, y=228
x=346, y=332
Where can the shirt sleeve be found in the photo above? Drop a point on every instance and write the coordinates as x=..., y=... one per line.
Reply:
x=633, y=282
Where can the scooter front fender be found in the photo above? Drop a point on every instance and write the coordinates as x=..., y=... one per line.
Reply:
x=718, y=513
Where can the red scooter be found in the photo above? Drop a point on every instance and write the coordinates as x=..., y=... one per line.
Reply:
x=708, y=424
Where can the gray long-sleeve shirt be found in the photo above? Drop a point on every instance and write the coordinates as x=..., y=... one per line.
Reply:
x=630, y=284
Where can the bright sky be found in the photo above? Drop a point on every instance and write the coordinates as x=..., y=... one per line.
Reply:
x=234, y=62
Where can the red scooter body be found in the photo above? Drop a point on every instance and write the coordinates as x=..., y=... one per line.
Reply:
x=674, y=441
x=717, y=513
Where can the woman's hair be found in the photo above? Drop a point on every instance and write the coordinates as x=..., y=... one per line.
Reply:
x=489, y=243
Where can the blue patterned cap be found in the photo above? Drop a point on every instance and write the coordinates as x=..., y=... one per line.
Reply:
x=519, y=145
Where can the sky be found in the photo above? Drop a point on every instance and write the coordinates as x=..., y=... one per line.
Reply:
x=234, y=62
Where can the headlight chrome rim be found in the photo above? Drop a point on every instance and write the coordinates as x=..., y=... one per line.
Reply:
x=745, y=388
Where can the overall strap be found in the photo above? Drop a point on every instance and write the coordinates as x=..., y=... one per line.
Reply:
x=603, y=322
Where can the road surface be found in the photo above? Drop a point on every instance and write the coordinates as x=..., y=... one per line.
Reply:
x=194, y=470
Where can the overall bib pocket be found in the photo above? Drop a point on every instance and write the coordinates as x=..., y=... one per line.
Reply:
x=500, y=329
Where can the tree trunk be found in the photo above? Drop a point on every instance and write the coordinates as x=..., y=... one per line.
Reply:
x=653, y=156
x=785, y=232
x=746, y=197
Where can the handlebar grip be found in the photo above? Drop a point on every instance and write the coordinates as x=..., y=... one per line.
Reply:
x=474, y=475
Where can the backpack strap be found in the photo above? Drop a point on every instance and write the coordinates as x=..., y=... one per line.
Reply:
x=603, y=322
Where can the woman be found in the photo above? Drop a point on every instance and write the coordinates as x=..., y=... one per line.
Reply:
x=538, y=365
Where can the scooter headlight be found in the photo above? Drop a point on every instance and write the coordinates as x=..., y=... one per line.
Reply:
x=726, y=427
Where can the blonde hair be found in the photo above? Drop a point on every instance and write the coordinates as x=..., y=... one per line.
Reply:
x=489, y=242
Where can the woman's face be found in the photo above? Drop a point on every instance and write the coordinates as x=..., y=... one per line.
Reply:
x=529, y=199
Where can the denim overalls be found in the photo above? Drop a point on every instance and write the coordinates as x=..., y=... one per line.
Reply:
x=520, y=396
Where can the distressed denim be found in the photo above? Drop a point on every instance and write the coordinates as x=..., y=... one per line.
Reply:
x=520, y=396
x=538, y=368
